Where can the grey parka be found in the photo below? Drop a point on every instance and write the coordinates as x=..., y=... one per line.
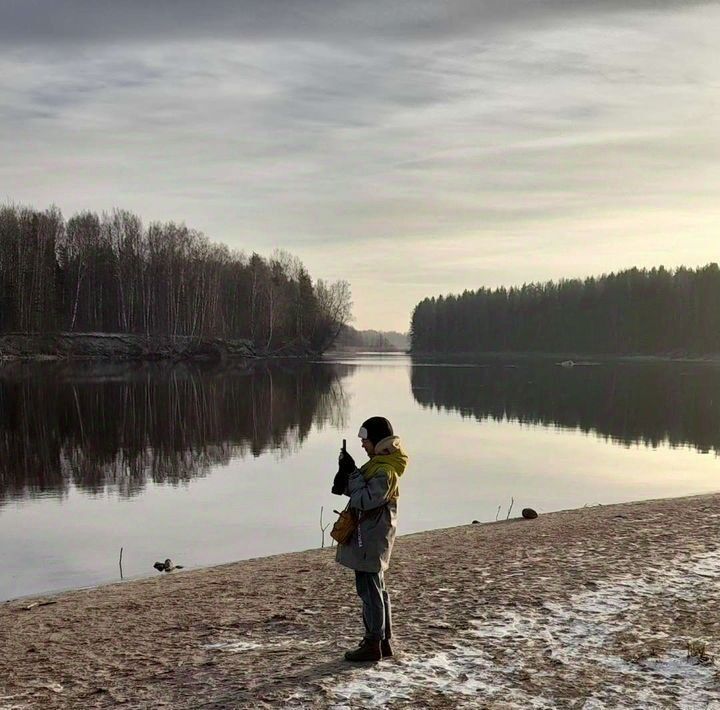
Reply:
x=373, y=493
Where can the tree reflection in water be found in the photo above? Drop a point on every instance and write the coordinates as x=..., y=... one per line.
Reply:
x=114, y=426
x=630, y=403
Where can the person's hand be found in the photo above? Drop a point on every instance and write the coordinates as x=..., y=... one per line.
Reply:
x=346, y=463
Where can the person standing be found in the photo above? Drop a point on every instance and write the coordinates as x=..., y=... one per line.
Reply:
x=373, y=492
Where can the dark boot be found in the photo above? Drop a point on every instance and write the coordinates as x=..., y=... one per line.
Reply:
x=386, y=648
x=367, y=651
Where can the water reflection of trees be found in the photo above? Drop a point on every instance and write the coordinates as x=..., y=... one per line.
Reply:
x=116, y=427
x=649, y=403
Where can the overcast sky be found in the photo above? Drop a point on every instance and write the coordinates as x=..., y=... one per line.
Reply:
x=411, y=148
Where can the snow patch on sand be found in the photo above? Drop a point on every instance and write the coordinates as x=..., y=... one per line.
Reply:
x=247, y=645
x=561, y=639
x=233, y=646
x=462, y=673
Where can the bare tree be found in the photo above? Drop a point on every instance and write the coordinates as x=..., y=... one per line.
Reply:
x=111, y=274
x=334, y=306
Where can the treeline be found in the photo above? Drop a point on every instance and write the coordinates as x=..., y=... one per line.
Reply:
x=110, y=273
x=638, y=311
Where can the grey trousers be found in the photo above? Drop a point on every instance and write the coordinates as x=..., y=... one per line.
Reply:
x=377, y=614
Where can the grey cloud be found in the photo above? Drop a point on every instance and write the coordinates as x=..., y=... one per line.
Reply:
x=480, y=146
x=71, y=22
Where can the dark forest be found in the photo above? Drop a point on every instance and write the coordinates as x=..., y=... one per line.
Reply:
x=638, y=311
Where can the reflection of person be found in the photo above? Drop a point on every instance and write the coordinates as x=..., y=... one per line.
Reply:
x=373, y=492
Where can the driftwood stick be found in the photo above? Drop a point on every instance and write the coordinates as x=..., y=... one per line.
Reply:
x=121, y=572
x=32, y=605
x=323, y=528
x=512, y=502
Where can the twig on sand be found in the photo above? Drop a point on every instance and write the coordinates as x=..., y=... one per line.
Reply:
x=497, y=515
x=323, y=528
x=121, y=572
x=512, y=502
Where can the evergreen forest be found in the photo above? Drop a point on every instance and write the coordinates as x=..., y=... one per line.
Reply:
x=637, y=311
x=109, y=273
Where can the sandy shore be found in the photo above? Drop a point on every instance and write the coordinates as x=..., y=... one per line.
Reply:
x=591, y=608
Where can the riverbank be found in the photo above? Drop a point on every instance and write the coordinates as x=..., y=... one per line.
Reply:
x=572, y=358
x=118, y=346
x=131, y=347
x=590, y=608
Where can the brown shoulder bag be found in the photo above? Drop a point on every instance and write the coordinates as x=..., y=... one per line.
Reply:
x=344, y=527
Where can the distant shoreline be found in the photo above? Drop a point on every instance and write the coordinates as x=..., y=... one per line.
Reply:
x=353, y=350
x=128, y=347
x=575, y=358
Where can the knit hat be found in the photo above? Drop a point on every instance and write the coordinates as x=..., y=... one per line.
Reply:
x=375, y=429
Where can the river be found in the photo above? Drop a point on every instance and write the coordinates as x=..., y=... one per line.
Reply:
x=207, y=465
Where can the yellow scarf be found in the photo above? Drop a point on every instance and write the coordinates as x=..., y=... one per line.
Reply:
x=393, y=464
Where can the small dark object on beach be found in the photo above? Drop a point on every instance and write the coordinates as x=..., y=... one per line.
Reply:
x=476, y=522
x=166, y=566
x=529, y=514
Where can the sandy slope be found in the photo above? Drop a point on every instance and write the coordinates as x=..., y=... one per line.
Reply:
x=582, y=609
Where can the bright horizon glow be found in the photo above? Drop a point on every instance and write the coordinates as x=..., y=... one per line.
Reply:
x=416, y=151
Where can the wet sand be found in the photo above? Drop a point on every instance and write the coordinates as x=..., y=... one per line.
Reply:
x=591, y=608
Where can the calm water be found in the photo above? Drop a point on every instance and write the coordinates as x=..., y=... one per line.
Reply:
x=208, y=465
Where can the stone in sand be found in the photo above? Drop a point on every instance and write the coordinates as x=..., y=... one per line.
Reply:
x=529, y=514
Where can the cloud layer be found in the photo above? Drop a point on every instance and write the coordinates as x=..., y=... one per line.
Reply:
x=424, y=149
